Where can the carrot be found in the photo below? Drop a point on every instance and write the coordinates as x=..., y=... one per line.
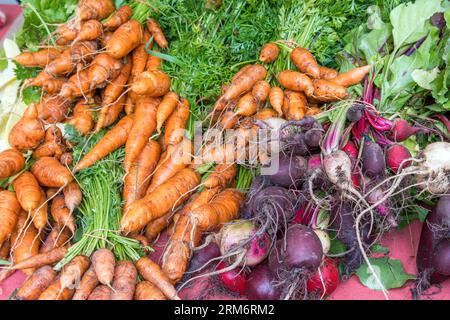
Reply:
x=28, y=132
x=72, y=272
x=101, y=292
x=144, y=126
x=276, y=97
x=11, y=162
x=173, y=160
x=55, y=239
x=352, y=77
x=261, y=91
x=72, y=195
x=111, y=141
x=67, y=61
x=39, y=215
x=105, y=38
x=54, y=85
x=67, y=32
x=49, y=172
x=312, y=111
x=9, y=214
x=121, y=16
x=24, y=241
x=38, y=58
x=157, y=33
x=305, y=62
x=51, y=192
x=139, y=57
x=245, y=81
x=83, y=119
x=127, y=37
x=90, y=30
x=53, y=109
x=153, y=83
x=129, y=105
x=94, y=9
x=145, y=290
x=296, y=81
x=246, y=105
x=297, y=104
x=269, y=53
x=124, y=284
x=104, y=263
x=153, y=63
x=114, y=111
x=111, y=93
x=176, y=124
x=103, y=68
x=137, y=179
x=223, y=208
x=328, y=91
x=240, y=72
x=154, y=228
x=77, y=85
x=41, y=259
x=266, y=113
x=27, y=191
x=66, y=159
x=33, y=287
x=56, y=291
x=4, y=250
x=327, y=73
x=87, y=284
x=61, y=214
x=228, y=120
x=224, y=153
x=222, y=175
x=166, y=196
x=53, y=145
x=151, y=272
x=165, y=109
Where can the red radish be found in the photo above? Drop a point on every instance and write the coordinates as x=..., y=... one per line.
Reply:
x=396, y=155
x=351, y=150
x=325, y=280
x=233, y=280
x=261, y=284
x=402, y=130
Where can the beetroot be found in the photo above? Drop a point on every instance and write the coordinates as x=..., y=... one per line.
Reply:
x=396, y=155
x=291, y=170
x=233, y=280
x=441, y=257
x=401, y=130
x=351, y=150
x=325, y=280
x=373, y=164
x=203, y=256
x=261, y=284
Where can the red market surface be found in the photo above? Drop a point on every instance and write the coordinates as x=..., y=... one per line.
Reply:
x=13, y=20
x=402, y=245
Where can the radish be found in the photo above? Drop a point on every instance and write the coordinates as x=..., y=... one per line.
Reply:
x=233, y=280
x=396, y=156
x=261, y=284
x=325, y=280
x=401, y=130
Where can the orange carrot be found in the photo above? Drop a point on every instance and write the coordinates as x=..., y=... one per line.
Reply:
x=157, y=33
x=87, y=284
x=296, y=105
x=62, y=215
x=327, y=73
x=82, y=120
x=176, y=124
x=24, y=241
x=27, y=191
x=305, y=62
x=103, y=68
x=129, y=105
x=77, y=85
x=173, y=160
x=28, y=132
x=104, y=262
x=39, y=215
x=124, y=284
x=66, y=159
x=4, y=250
x=312, y=111
x=72, y=195
x=127, y=37
x=145, y=290
x=114, y=111
x=276, y=97
x=11, y=162
x=240, y=72
x=139, y=57
x=137, y=179
x=152, y=83
x=55, y=239
x=261, y=91
x=101, y=292
x=53, y=145
x=269, y=53
x=56, y=291
x=151, y=272
x=165, y=197
x=296, y=81
x=144, y=126
x=49, y=172
x=228, y=120
x=111, y=141
x=38, y=58
x=222, y=176
x=67, y=61
x=153, y=63
x=245, y=81
x=72, y=272
x=53, y=109
x=121, y=16
x=41, y=259
x=246, y=105
x=90, y=30
x=154, y=228
x=53, y=86
x=328, y=90
x=94, y=9
x=33, y=287
x=105, y=38
x=67, y=32
x=165, y=109
x=9, y=214
x=266, y=113
x=352, y=77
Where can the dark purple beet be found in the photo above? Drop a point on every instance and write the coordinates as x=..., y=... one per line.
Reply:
x=291, y=171
x=373, y=163
x=441, y=258
x=260, y=284
x=299, y=137
x=438, y=20
x=201, y=257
